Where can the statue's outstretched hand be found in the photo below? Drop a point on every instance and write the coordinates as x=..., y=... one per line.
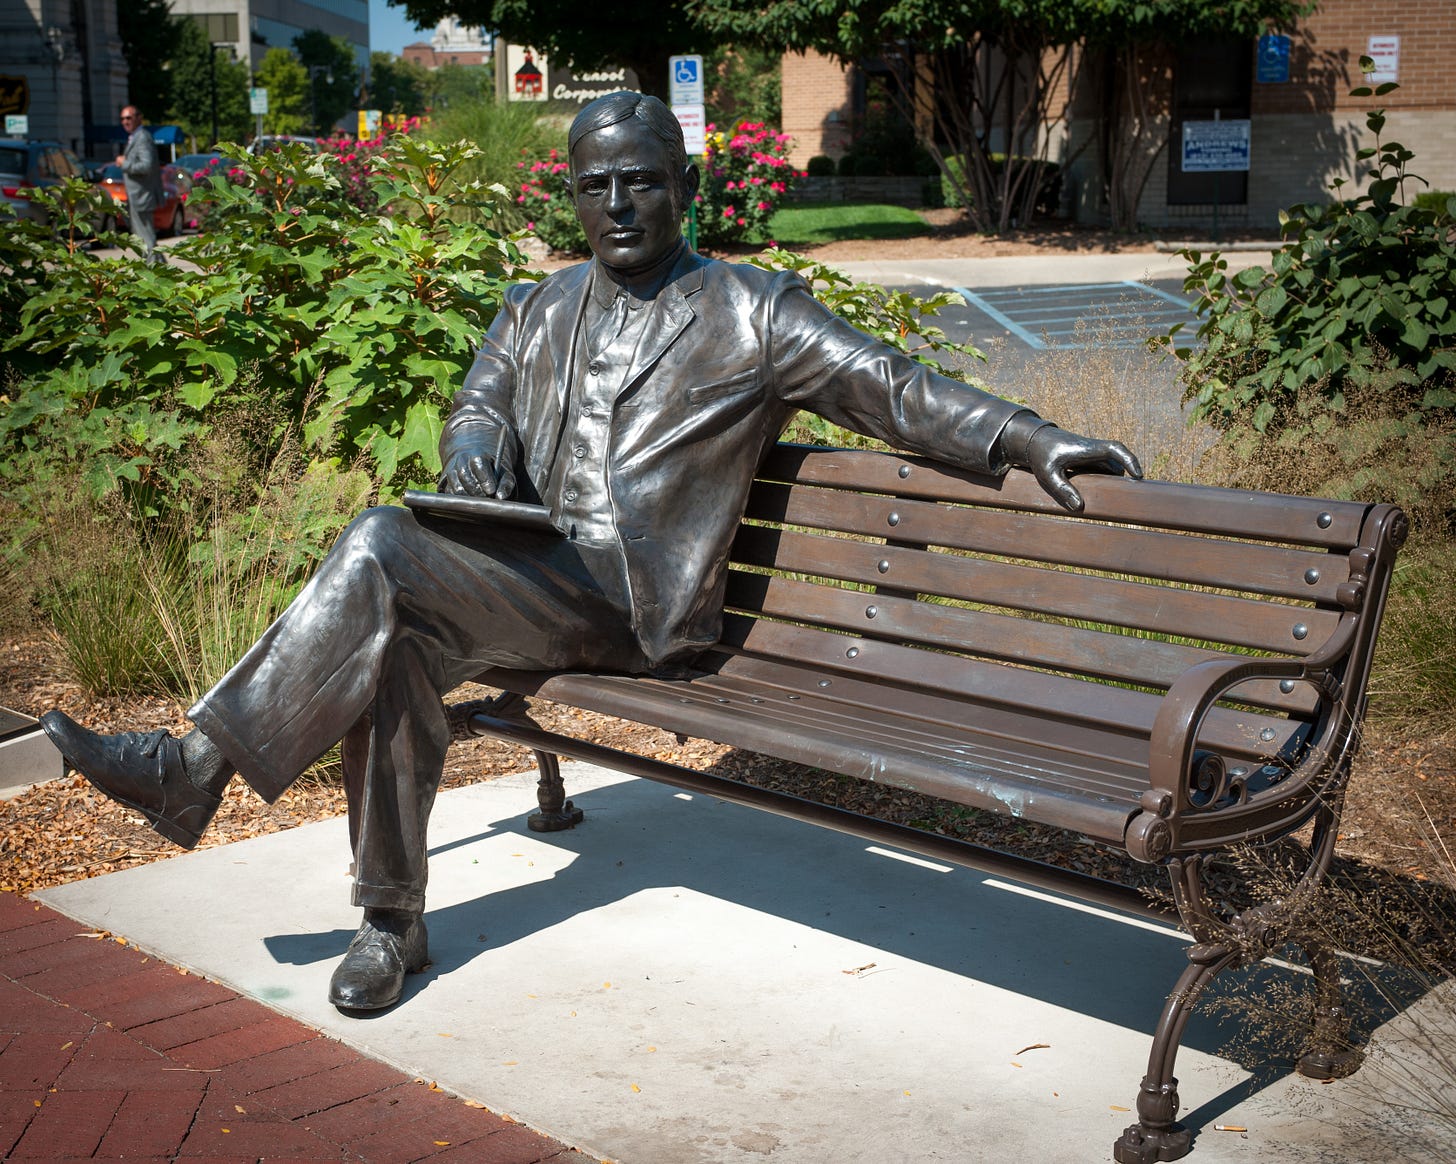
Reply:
x=1053, y=453
x=481, y=471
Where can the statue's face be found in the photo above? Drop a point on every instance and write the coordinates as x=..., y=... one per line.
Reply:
x=628, y=198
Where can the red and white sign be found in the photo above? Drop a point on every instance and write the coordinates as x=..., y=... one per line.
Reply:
x=1385, y=52
x=694, y=122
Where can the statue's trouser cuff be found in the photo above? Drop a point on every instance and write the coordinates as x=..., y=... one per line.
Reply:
x=399, y=612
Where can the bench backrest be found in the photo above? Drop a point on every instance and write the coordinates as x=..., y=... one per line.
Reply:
x=951, y=576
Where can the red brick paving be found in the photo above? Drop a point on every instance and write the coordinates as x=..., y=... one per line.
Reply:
x=108, y=1055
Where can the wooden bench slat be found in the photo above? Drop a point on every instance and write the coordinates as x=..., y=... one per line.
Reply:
x=995, y=779
x=1252, y=567
x=1103, y=654
x=932, y=674
x=1241, y=513
x=1188, y=614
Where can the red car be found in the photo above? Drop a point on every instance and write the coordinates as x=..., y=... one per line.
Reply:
x=169, y=215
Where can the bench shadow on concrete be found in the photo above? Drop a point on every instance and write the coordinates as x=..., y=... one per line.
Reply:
x=639, y=836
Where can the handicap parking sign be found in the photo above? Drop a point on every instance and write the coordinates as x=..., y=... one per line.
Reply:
x=685, y=79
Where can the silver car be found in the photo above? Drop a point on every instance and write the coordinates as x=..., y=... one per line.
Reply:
x=26, y=165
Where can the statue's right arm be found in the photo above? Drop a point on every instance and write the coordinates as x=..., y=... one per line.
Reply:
x=479, y=445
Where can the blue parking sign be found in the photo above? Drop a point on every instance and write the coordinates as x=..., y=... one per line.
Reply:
x=685, y=80
x=1273, y=62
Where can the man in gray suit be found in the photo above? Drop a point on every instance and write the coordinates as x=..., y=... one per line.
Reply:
x=634, y=395
x=143, y=178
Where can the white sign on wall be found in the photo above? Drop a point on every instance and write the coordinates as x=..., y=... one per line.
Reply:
x=17, y=124
x=694, y=122
x=257, y=101
x=1385, y=52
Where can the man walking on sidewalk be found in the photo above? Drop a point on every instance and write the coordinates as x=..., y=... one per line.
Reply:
x=143, y=178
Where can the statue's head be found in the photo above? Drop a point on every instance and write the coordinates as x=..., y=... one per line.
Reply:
x=630, y=179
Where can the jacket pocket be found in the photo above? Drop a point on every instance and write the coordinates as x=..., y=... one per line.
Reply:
x=741, y=383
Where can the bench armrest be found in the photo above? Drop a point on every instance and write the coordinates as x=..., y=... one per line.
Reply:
x=1173, y=759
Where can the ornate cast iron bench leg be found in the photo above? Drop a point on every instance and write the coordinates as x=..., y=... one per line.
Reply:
x=555, y=812
x=1240, y=941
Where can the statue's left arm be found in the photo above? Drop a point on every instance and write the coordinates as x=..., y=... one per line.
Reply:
x=826, y=366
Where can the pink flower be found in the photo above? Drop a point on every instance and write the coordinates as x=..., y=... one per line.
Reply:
x=743, y=222
x=728, y=212
x=530, y=226
x=764, y=206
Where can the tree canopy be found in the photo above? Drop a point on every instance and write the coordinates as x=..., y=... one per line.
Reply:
x=150, y=36
x=194, y=70
x=287, y=83
x=333, y=77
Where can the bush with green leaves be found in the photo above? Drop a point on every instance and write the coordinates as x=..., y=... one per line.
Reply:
x=357, y=325
x=1362, y=290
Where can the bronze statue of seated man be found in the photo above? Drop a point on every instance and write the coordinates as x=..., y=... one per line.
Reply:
x=634, y=395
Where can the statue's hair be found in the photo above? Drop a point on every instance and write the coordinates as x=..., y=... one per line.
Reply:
x=616, y=107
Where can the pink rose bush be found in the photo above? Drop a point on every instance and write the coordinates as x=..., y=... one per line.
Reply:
x=746, y=174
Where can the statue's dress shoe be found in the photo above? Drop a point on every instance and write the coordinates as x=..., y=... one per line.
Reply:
x=142, y=770
x=371, y=976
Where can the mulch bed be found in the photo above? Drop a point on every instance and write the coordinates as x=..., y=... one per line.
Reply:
x=1401, y=800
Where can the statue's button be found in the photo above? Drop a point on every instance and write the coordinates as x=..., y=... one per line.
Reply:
x=579, y=451
x=586, y=410
x=594, y=368
x=572, y=495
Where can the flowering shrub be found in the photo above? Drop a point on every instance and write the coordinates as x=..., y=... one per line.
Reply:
x=358, y=159
x=352, y=161
x=745, y=176
x=543, y=199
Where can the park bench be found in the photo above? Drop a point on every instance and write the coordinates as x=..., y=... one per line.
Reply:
x=1175, y=671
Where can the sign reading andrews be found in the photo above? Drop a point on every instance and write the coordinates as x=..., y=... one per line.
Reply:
x=1215, y=146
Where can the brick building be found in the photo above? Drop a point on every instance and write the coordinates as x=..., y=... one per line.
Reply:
x=452, y=43
x=1303, y=132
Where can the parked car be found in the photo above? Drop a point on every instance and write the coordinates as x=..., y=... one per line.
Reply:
x=27, y=165
x=169, y=217
x=273, y=141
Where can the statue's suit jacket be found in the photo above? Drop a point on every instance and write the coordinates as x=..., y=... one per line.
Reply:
x=728, y=354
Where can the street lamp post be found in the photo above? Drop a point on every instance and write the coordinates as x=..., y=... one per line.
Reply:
x=212, y=77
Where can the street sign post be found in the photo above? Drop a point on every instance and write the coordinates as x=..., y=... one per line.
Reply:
x=258, y=105
x=17, y=124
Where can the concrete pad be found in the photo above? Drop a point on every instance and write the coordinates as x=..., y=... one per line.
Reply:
x=684, y=981
x=27, y=756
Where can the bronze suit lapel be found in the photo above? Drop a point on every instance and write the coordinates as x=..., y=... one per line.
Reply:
x=671, y=314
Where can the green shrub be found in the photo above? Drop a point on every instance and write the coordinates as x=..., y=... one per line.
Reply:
x=820, y=166
x=746, y=173
x=1438, y=201
x=545, y=201
x=1360, y=292
x=360, y=325
x=1047, y=175
x=502, y=132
